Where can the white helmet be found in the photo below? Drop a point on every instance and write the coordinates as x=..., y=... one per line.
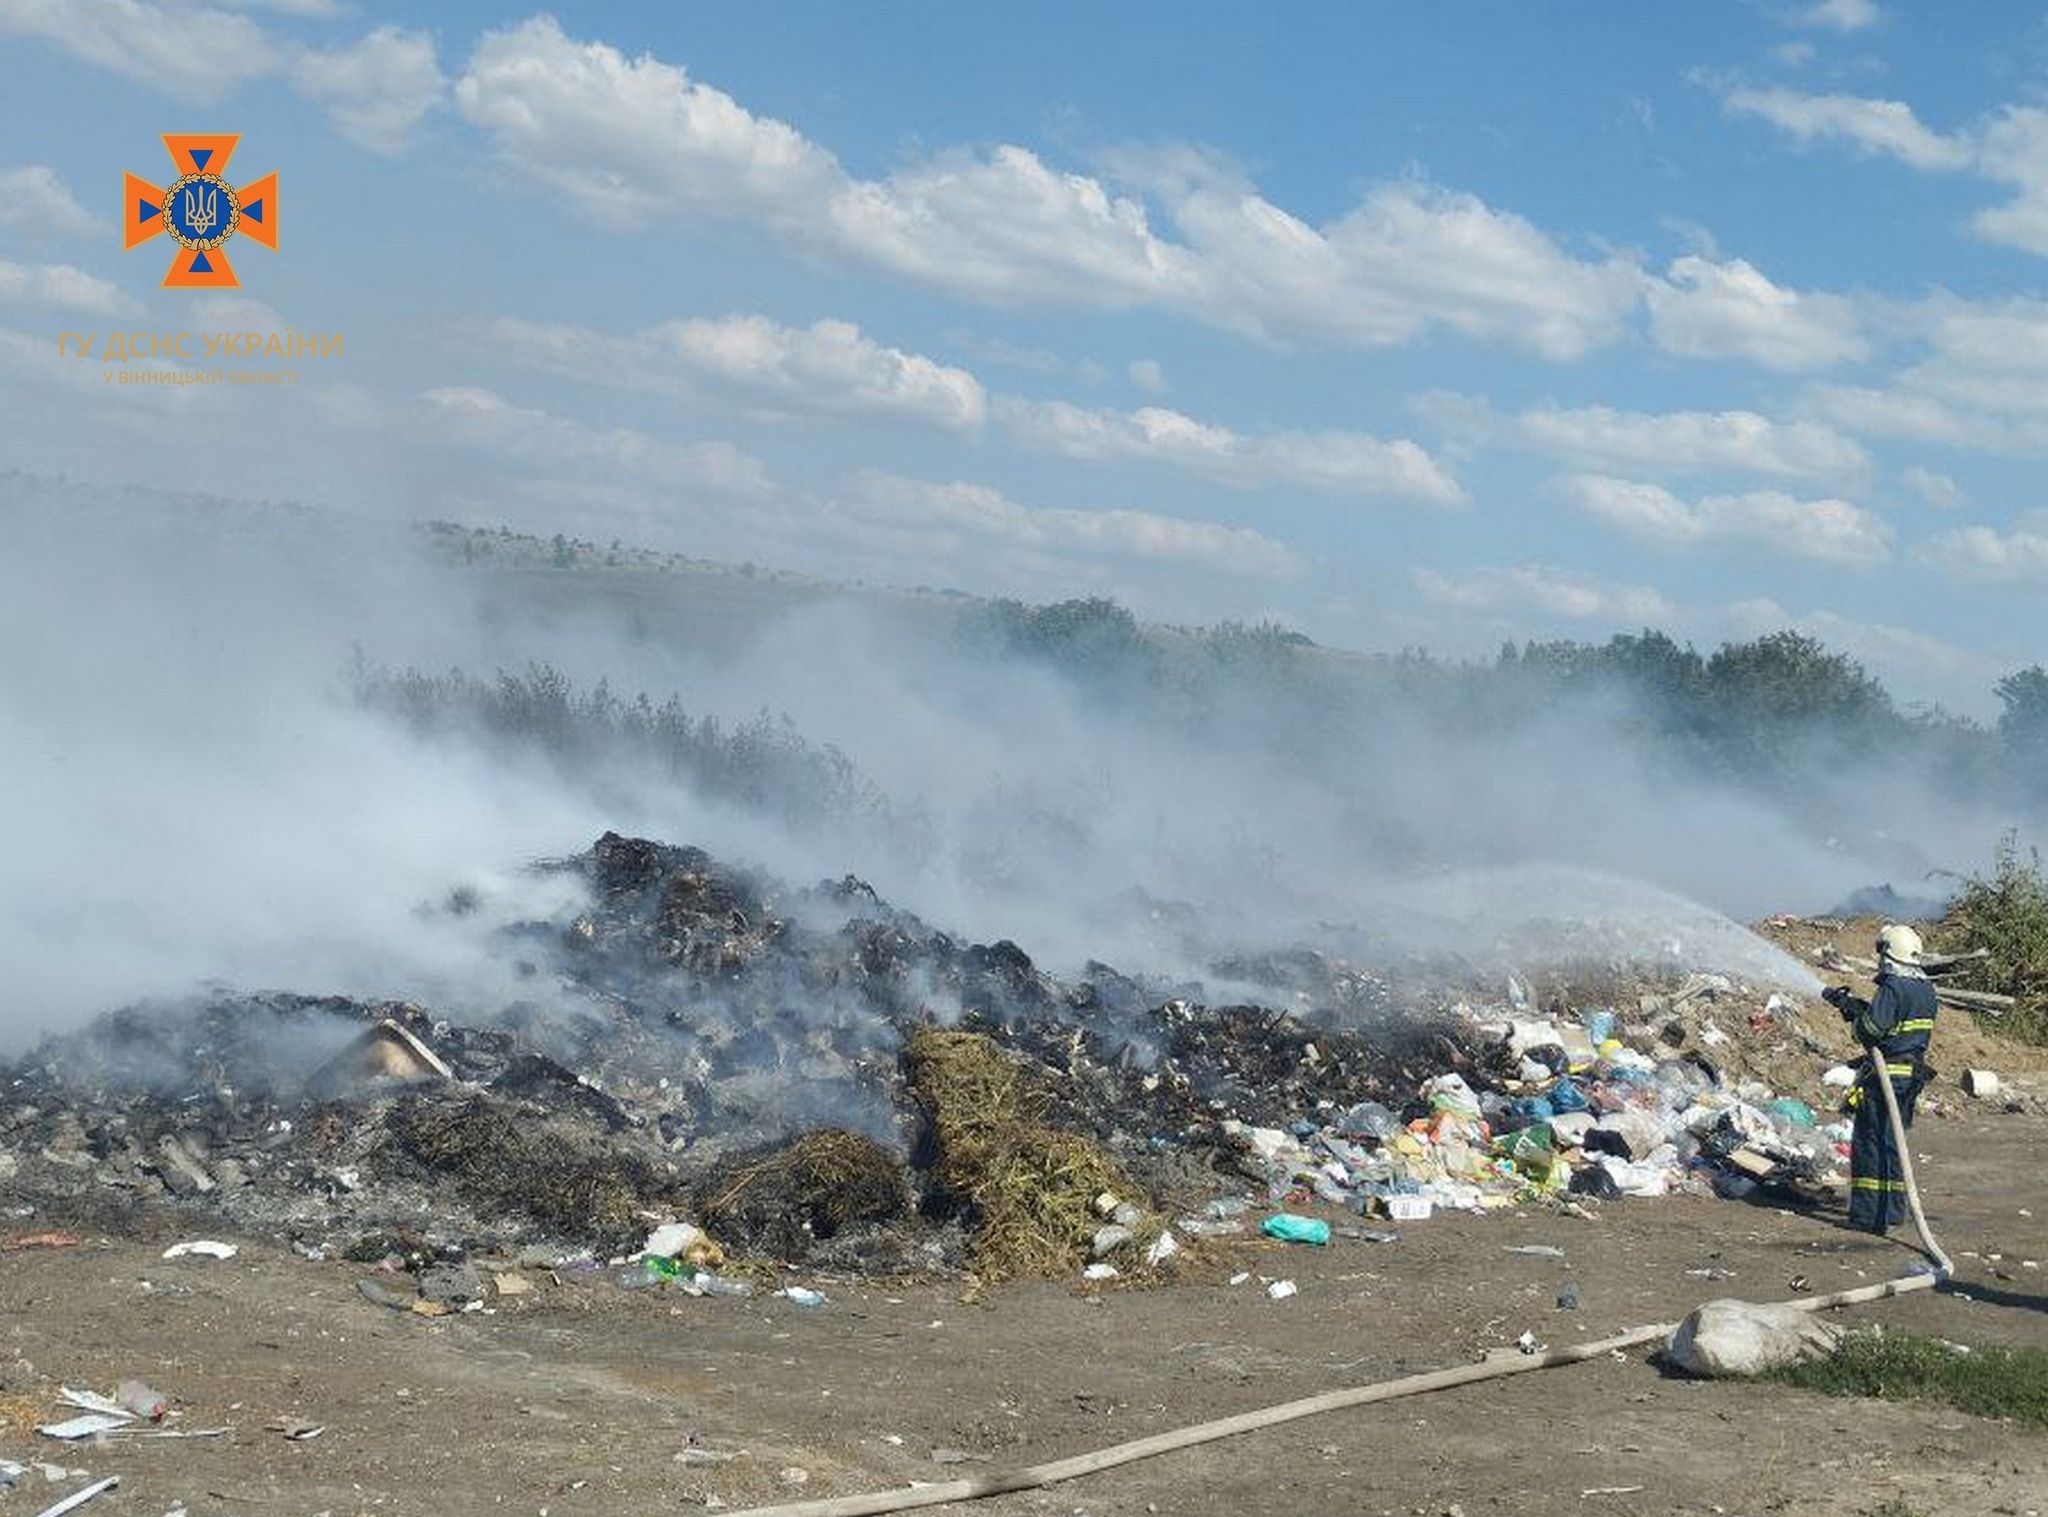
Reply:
x=1899, y=943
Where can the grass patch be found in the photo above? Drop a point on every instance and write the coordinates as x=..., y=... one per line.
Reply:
x=2007, y=1383
x=1030, y=1187
x=2006, y=911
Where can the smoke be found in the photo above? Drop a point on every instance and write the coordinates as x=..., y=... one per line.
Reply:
x=193, y=793
x=187, y=797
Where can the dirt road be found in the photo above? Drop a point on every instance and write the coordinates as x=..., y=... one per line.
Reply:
x=584, y=1398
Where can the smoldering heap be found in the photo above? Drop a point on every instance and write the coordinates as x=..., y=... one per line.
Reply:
x=702, y=1043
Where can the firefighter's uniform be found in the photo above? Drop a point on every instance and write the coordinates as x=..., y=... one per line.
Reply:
x=1894, y=1026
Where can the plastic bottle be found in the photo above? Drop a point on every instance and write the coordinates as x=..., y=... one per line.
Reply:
x=704, y=1283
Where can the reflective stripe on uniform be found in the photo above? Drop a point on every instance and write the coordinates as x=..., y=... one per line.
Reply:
x=1863, y=1182
x=1916, y=1024
x=1899, y=1071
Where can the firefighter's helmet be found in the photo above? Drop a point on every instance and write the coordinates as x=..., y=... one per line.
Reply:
x=1899, y=943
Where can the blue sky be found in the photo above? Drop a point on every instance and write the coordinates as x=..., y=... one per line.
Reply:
x=1404, y=325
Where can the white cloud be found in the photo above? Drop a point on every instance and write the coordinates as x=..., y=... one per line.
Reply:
x=1983, y=382
x=59, y=286
x=1410, y=258
x=1709, y=309
x=319, y=10
x=632, y=136
x=233, y=313
x=376, y=91
x=1899, y=655
x=2010, y=149
x=830, y=362
x=980, y=512
x=1340, y=463
x=636, y=137
x=1830, y=531
x=1147, y=375
x=829, y=366
x=1900, y=413
x=195, y=53
x=1982, y=555
x=1935, y=489
x=34, y=200
x=1659, y=444
x=481, y=419
x=1009, y=229
x=1874, y=126
x=1840, y=15
x=1540, y=588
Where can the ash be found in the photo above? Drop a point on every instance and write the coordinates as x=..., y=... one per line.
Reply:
x=694, y=1016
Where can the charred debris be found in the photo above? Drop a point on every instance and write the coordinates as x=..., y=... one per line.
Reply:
x=699, y=1043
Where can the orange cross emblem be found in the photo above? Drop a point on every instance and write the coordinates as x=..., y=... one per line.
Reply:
x=200, y=211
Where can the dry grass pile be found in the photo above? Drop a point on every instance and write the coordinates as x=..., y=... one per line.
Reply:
x=1031, y=1187
x=781, y=1202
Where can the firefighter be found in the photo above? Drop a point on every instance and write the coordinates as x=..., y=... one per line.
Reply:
x=1894, y=1026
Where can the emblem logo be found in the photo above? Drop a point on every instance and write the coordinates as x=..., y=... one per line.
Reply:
x=200, y=211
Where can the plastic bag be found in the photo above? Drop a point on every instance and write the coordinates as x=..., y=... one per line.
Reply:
x=1292, y=1229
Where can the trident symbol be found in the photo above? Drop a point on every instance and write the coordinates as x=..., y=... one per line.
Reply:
x=201, y=208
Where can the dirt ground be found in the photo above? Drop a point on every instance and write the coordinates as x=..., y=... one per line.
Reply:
x=585, y=1398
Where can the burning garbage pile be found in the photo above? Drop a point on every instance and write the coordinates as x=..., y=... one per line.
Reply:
x=815, y=1076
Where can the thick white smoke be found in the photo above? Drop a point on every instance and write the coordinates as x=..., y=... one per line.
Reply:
x=190, y=794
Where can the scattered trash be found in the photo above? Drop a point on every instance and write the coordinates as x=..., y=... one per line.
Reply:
x=1045, y=1121
x=92, y=1401
x=452, y=1285
x=1536, y=1250
x=1107, y=1240
x=1527, y=1344
x=802, y=1295
x=704, y=1283
x=1100, y=1271
x=1289, y=1228
x=91, y=1425
x=296, y=1431
x=380, y=1294
x=387, y=1051
x=79, y=1498
x=1568, y=1298
x=1981, y=1083
x=139, y=1400
x=40, y=1240
x=1280, y=1290
x=1365, y=1235
x=201, y=1248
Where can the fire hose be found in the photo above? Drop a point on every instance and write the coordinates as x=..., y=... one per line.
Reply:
x=1032, y=1477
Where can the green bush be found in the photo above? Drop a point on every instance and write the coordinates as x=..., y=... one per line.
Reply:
x=2007, y=913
